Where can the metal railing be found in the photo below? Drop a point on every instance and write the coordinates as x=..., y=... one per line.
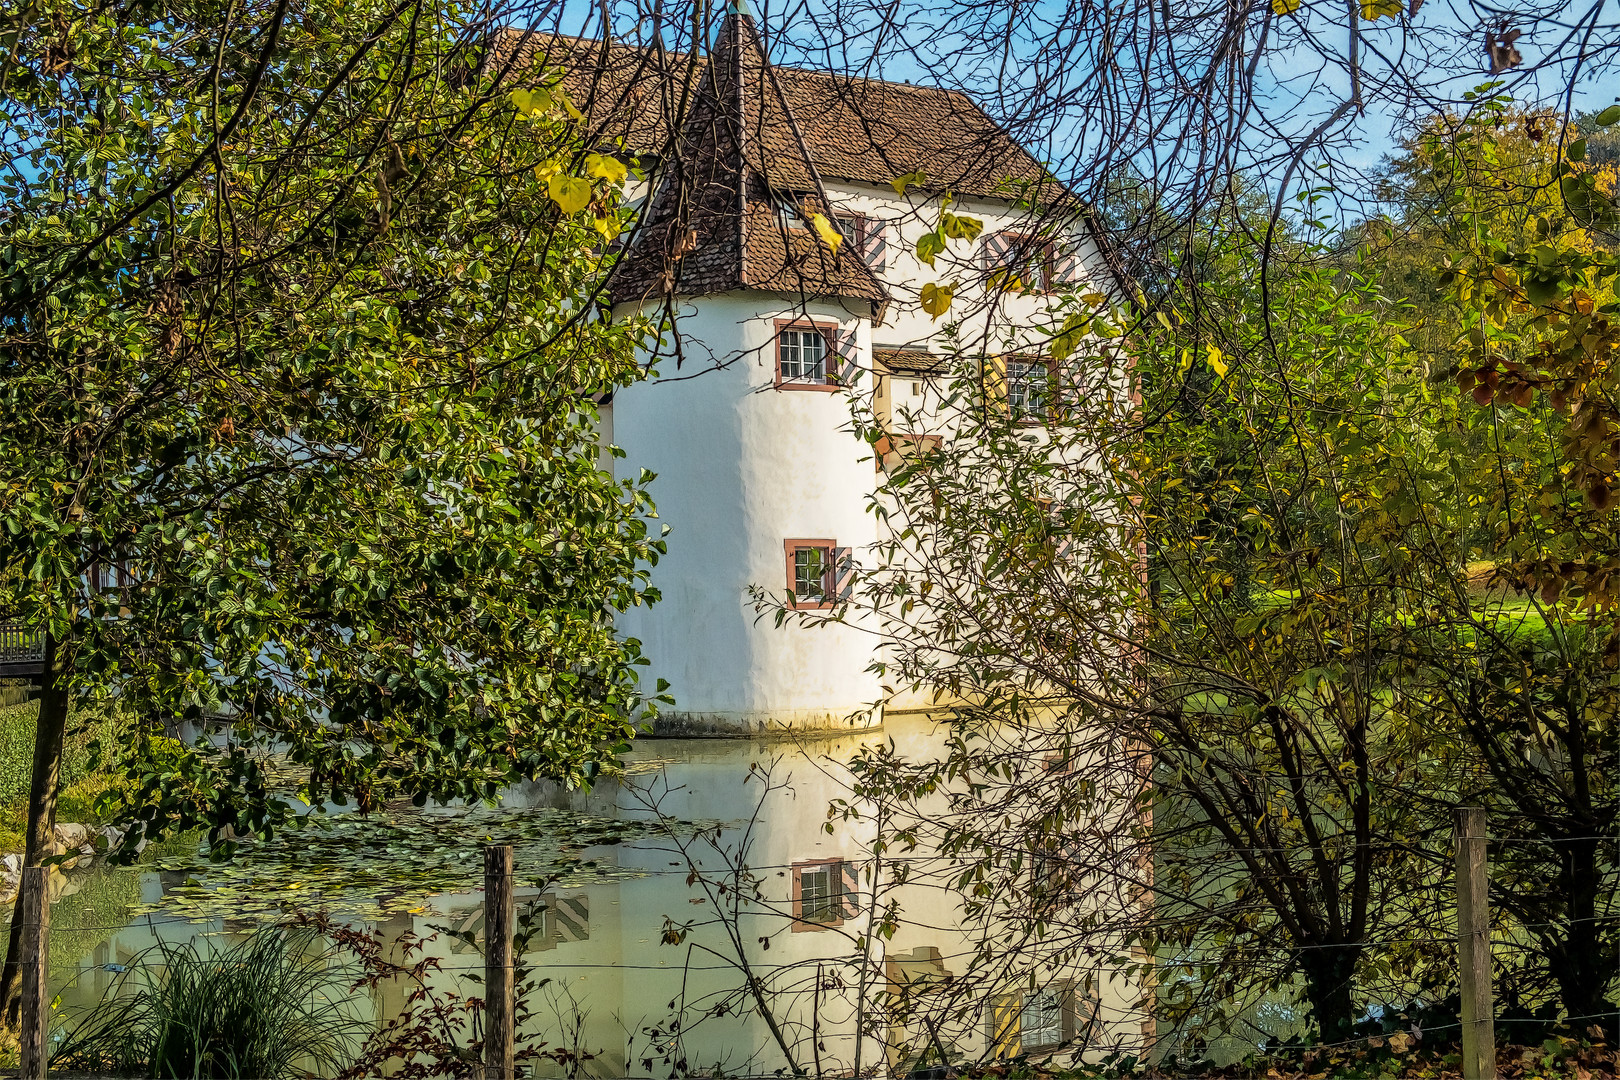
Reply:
x=22, y=650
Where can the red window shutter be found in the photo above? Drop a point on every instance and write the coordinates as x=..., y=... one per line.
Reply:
x=851, y=888
x=843, y=571
x=1068, y=270
x=997, y=247
x=843, y=344
x=875, y=244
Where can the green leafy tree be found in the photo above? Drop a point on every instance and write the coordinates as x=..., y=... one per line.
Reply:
x=1532, y=439
x=1360, y=599
x=1167, y=632
x=300, y=345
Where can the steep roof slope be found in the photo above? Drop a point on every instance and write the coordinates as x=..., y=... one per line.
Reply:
x=714, y=223
x=755, y=136
x=865, y=131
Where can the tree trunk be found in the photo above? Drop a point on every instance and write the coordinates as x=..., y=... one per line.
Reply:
x=42, y=790
x=1329, y=981
x=1583, y=963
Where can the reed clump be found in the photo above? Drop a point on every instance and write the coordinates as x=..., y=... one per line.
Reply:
x=276, y=1004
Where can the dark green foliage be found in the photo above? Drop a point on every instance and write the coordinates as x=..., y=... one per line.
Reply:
x=298, y=364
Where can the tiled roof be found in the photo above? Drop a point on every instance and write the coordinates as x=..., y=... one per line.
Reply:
x=865, y=131
x=753, y=135
x=713, y=223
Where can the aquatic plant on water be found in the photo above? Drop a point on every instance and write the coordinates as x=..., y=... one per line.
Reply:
x=272, y=1005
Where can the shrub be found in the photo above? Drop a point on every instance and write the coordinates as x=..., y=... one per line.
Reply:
x=270, y=1006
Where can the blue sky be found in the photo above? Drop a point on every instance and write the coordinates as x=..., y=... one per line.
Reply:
x=1039, y=83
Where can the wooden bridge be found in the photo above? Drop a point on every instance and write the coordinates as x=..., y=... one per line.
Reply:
x=22, y=652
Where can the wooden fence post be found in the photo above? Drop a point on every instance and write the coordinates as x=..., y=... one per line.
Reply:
x=33, y=1048
x=499, y=916
x=1474, y=947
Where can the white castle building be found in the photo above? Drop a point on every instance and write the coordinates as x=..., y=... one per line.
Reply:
x=746, y=423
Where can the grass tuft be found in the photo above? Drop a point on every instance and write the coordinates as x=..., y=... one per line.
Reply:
x=272, y=1006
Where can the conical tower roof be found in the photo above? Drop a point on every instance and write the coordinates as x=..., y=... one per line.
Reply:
x=714, y=224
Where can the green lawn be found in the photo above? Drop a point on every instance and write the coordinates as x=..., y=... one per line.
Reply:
x=79, y=786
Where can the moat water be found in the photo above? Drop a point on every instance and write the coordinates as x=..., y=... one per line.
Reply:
x=630, y=943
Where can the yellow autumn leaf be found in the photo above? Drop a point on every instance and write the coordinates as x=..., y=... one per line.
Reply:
x=1186, y=360
x=910, y=179
x=824, y=229
x=570, y=193
x=1372, y=10
x=1284, y=7
x=531, y=102
x=605, y=167
x=1214, y=356
x=936, y=299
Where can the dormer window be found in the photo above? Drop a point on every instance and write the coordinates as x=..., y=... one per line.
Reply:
x=789, y=210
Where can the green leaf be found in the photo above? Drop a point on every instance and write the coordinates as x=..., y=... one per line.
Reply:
x=929, y=247
x=1541, y=290
x=960, y=226
x=1609, y=116
x=908, y=180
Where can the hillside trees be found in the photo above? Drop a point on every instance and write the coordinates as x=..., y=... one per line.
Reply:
x=1532, y=435
x=299, y=345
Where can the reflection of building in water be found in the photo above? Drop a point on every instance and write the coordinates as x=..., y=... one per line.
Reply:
x=548, y=919
x=779, y=899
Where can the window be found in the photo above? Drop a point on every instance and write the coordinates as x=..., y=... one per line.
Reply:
x=810, y=356
x=804, y=355
x=787, y=210
x=1020, y=262
x=1040, y=1020
x=1017, y=262
x=819, y=573
x=113, y=576
x=849, y=226
x=1029, y=390
x=818, y=893
x=822, y=892
x=812, y=566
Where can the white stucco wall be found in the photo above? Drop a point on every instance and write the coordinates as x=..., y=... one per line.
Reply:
x=742, y=467
x=986, y=320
